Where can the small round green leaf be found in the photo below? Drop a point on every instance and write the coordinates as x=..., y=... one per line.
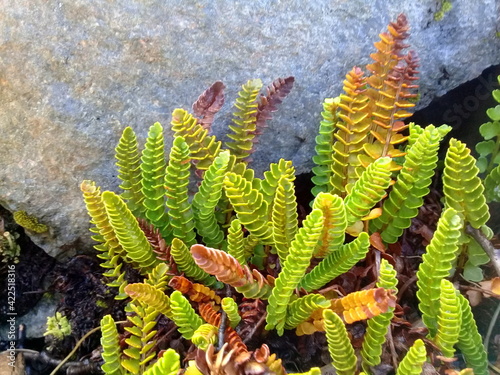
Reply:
x=485, y=148
x=482, y=164
x=490, y=129
x=472, y=273
x=494, y=113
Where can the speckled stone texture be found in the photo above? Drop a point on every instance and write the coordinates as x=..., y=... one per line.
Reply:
x=74, y=73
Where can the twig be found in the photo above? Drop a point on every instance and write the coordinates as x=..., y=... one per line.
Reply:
x=255, y=328
x=486, y=245
x=222, y=330
x=490, y=328
x=394, y=356
x=494, y=368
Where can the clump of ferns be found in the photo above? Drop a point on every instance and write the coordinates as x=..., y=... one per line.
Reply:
x=244, y=222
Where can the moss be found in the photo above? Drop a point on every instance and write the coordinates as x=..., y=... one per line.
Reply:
x=446, y=6
x=29, y=222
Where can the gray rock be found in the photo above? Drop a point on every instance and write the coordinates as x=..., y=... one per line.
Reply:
x=73, y=74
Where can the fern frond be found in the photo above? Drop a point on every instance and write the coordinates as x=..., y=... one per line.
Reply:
x=368, y=190
x=249, y=205
x=150, y=296
x=129, y=234
x=110, y=347
x=252, y=284
x=168, y=364
x=378, y=326
x=208, y=104
x=203, y=148
x=176, y=186
x=153, y=177
x=129, y=171
x=334, y=224
x=412, y=184
x=413, y=361
x=324, y=143
x=245, y=119
x=436, y=265
x=336, y=263
x=293, y=270
x=312, y=371
x=301, y=309
x=185, y=263
x=205, y=335
x=470, y=341
x=463, y=189
x=352, y=125
x=284, y=217
x=449, y=319
x=283, y=168
x=196, y=292
x=230, y=306
x=183, y=315
x=206, y=199
x=236, y=242
x=340, y=348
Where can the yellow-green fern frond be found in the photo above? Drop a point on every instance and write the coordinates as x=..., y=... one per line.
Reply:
x=368, y=190
x=128, y=161
x=129, y=234
x=312, y=371
x=185, y=263
x=203, y=148
x=249, y=204
x=150, y=296
x=176, y=186
x=449, y=319
x=230, y=306
x=324, y=141
x=284, y=217
x=110, y=347
x=29, y=222
x=158, y=277
x=463, y=189
x=295, y=266
x=153, y=177
x=340, y=348
x=436, y=265
x=378, y=326
x=334, y=224
x=245, y=119
x=302, y=308
x=183, y=315
x=470, y=341
x=236, y=242
x=412, y=184
x=413, y=361
x=205, y=335
x=168, y=364
x=336, y=263
x=206, y=199
x=283, y=168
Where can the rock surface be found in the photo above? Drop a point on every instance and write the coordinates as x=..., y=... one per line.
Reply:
x=74, y=73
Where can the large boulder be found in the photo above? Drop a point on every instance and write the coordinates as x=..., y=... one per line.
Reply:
x=73, y=74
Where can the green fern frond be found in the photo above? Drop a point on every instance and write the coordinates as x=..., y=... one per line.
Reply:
x=334, y=225
x=249, y=204
x=284, y=217
x=168, y=364
x=470, y=341
x=283, y=168
x=414, y=360
x=203, y=148
x=378, y=326
x=230, y=306
x=158, y=277
x=153, y=177
x=150, y=296
x=185, y=263
x=436, y=265
x=368, y=190
x=205, y=335
x=324, y=141
x=176, y=186
x=340, y=347
x=244, y=121
x=302, y=308
x=129, y=234
x=463, y=189
x=206, y=199
x=412, y=184
x=129, y=171
x=449, y=319
x=183, y=315
x=312, y=371
x=110, y=347
x=336, y=263
x=295, y=266
x=236, y=242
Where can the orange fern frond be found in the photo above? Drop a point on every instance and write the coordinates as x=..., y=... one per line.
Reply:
x=208, y=104
x=196, y=292
x=155, y=239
